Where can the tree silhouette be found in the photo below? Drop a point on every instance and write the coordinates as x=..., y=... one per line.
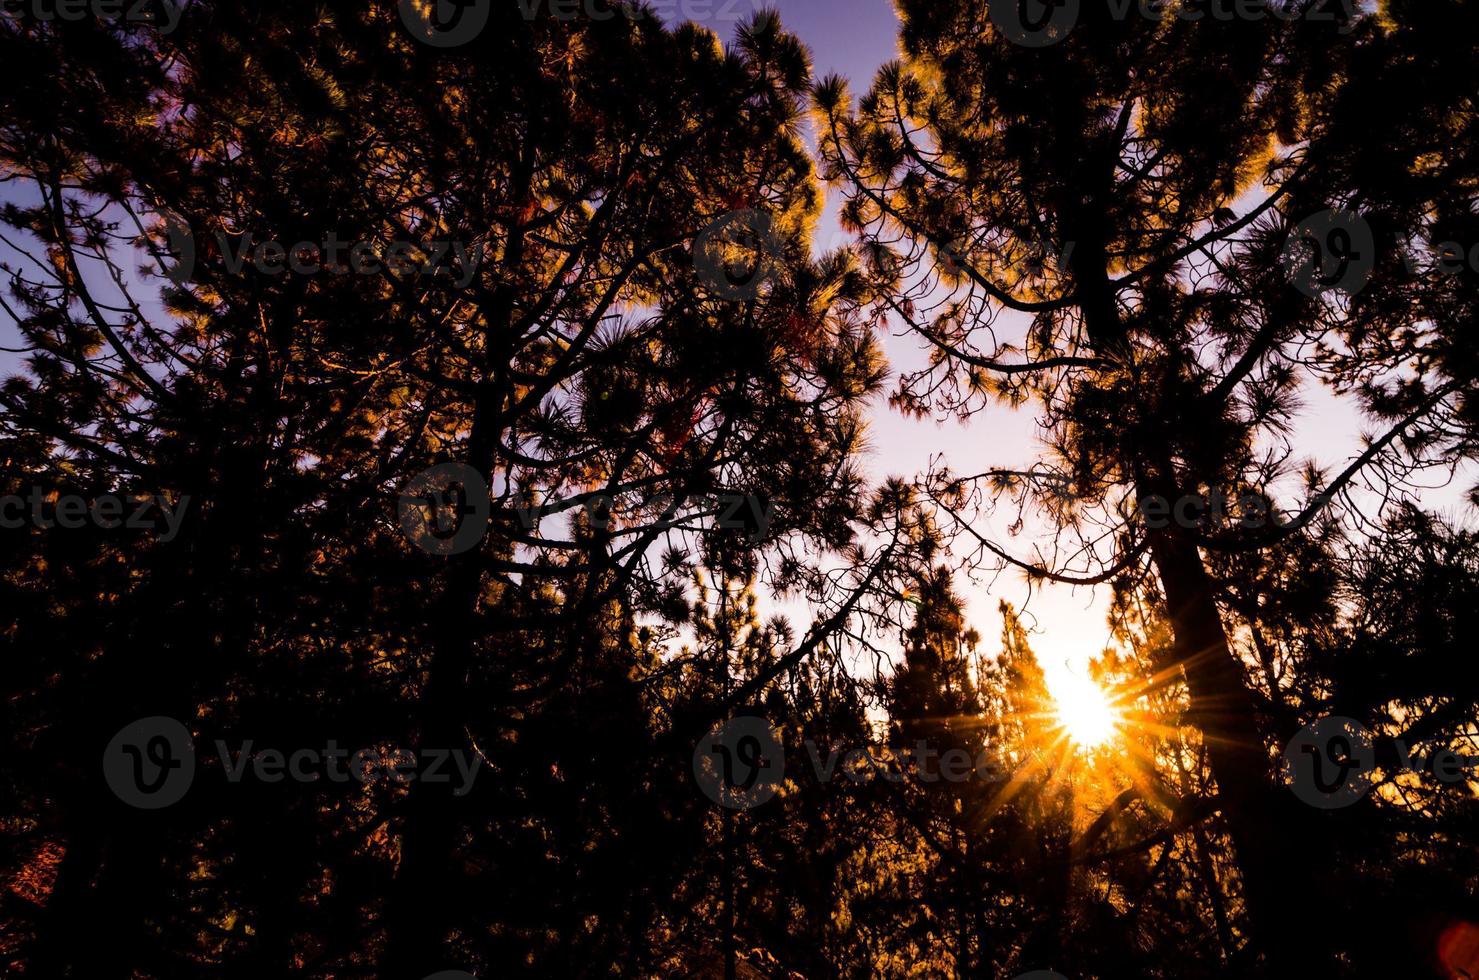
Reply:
x=1130, y=192
x=486, y=399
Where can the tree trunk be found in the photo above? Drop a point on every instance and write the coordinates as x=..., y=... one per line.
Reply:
x=1222, y=710
x=1222, y=706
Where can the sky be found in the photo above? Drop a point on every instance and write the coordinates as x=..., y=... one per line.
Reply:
x=853, y=38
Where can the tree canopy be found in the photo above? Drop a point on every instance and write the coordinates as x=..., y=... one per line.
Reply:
x=440, y=531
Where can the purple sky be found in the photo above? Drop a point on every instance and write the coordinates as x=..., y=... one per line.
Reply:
x=853, y=38
x=849, y=37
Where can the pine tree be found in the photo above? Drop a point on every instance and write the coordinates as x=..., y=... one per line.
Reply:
x=1099, y=226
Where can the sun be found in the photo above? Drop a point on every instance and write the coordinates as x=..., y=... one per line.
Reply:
x=1085, y=712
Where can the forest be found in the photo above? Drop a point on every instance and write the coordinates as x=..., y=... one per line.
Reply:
x=460, y=514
